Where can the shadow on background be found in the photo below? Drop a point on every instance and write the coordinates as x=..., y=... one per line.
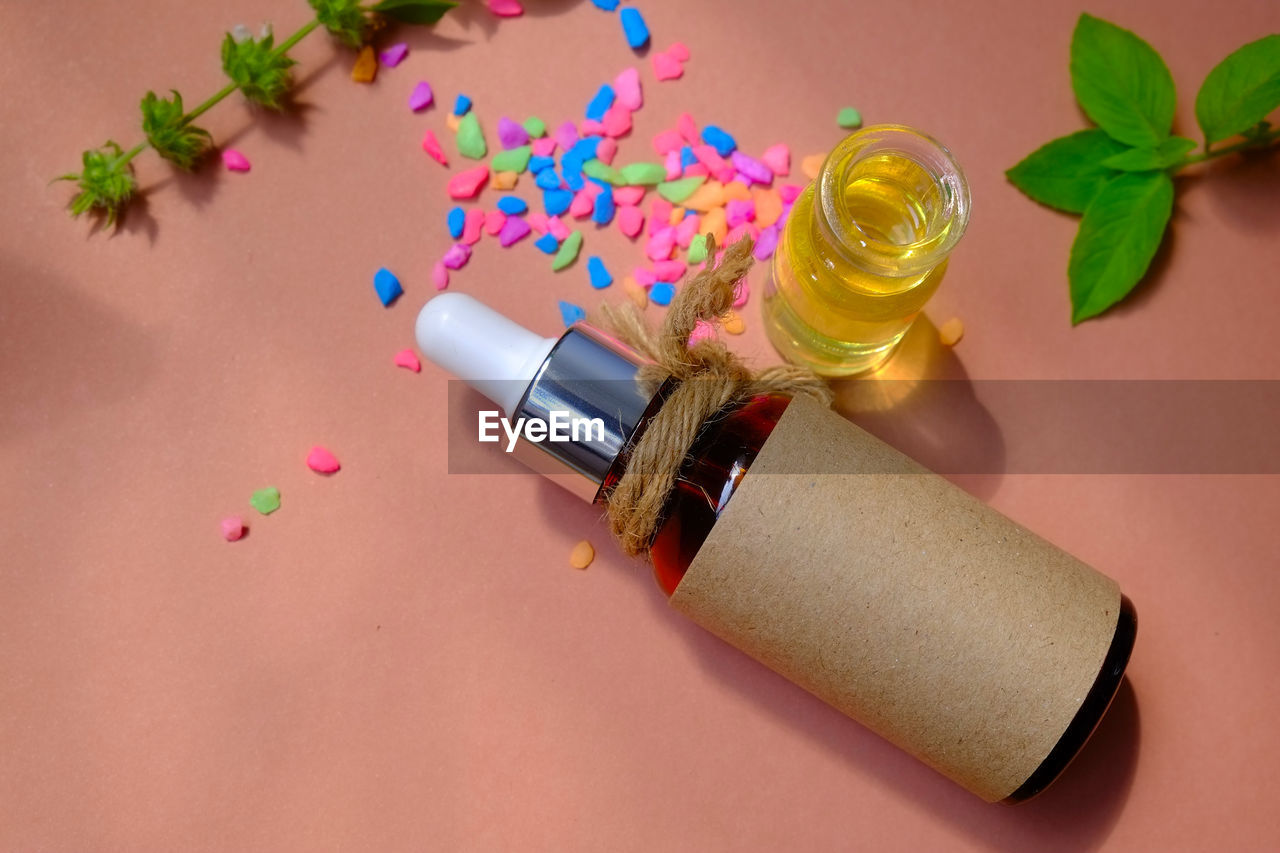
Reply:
x=922, y=403
x=53, y=371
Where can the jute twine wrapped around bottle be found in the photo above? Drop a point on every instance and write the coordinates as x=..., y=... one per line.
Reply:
x=711, y=378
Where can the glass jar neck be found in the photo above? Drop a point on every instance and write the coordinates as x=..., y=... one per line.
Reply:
x=892, y=201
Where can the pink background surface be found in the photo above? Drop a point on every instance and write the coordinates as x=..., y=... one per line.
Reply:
x=400, y=658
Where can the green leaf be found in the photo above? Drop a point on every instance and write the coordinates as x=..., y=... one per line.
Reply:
x=1161, y=156
x=1118, y=237
x=173, y=139
x=414, y=11
x=1121, y=82
x=1240, y=90
x=257, y=69
x=1067, y=172
x=344, y=19
x=106, y=182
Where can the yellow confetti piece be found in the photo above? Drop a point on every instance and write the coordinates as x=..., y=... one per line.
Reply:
x=504, y=180
x=950, y=332
x=366, y=67
x=732, y=322
x=635, y=292
x=582, y=555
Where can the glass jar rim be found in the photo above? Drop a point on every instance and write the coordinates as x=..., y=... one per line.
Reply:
x=869, y=252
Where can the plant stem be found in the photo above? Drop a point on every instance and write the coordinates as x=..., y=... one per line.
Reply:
x=222, y=93
x=1261, y=141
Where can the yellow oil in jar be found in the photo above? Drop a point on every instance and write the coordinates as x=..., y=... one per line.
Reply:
x=863, y=250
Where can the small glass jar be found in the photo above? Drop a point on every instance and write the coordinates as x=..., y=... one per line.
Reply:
x=865, y=247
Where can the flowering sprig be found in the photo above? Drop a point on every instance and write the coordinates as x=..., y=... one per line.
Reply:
x=258, y=68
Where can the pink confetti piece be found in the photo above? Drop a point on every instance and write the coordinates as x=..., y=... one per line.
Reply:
x=566, y=134
x=679, y=51
x=702, y=331
x=472, y=226
x=235, y=161
x=408, y=359
x=766, y=243
x=737, y=212
x=659, y=214
x=232, y=528
x=687, y=230
x=672, y=165
x=419, y=99
x=789, y=193
x=708, y=157
x=606, y=150
x=593, y=189
x=688, y=129
x=669, y=270
x=457, y=256
x=617, y=120
x=467, y=183
x=506, y=8
x=394, y=55
x=543, y=146
x=741, y=293
x=630, y=219
x=320, y=460
x=744, y=230
x=590, y=127
x=661, y=244
x=696, y=170
x=628, y=195
x=627, y=90
x=431, y=145
x=582, y=205
x=537, y=221
x=778, y=159
x=493, y=222
x=439, y=276
x=557, y=228
x=667, y=140
x=644, y=276
x=666, y=66
x=513, y=230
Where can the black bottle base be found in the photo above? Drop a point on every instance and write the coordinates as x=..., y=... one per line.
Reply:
x=1091, y=710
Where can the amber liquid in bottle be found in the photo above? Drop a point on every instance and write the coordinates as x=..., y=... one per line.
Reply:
x=721, y=456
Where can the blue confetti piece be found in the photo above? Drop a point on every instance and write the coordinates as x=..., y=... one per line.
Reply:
x=687, y=157
x=719, y=140
x=461, y=105
x=574, y=179
x=511, y=205
x=600, y=277
x=604, y=209
x=584, y=149
x=547, y=243
x=387, y=286
x=556, y=202
x=457, y=220
x=634, y=27
x=606, y=5
x=600, y=103
x=662, y=292
x=547, y=179
x=537, y=164
x=571, y=313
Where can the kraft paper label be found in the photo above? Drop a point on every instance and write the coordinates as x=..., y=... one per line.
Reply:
x=903, y=601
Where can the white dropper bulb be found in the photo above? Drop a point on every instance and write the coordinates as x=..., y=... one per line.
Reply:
x=494, y=355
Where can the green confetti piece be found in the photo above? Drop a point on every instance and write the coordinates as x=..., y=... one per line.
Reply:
x=647, y=174
x=535, y=126
x=849, y=118
x=678, y=190
x=471, y=138
x=602, y=171
x=568, y=251
x=698, y=249
x=266, y=501
x=512, y=160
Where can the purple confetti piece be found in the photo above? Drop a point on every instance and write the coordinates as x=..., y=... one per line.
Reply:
x=421, y=97
x=394, y=55
x=513, y=230
x=754, y=170
x=457, y=256
x=766, y=243
x=511, y=134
